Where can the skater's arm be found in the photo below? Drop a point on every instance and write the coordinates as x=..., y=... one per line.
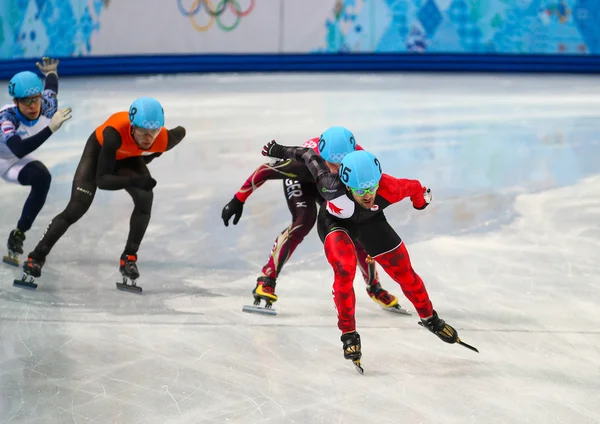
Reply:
x=268, y=171
x=328, y=182
x=51, y=84
x=397, y=189
x=150, y=158
x=312, y=160
x=107, y=160
x=49, y=67
x=21, y=147
x=175, y=136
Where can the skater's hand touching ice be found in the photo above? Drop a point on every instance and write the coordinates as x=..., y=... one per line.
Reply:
x=233, y=208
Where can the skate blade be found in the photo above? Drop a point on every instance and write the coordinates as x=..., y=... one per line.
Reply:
x=468, y=346
x=259, y=310
x=358, y=367
x=397, y=310
x=459, y=341
x=9, y=260
x=25, y=284
x=129, y=288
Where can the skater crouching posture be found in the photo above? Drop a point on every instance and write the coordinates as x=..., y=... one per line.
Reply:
x=355, y=198
x=302, y=199
x=24, y=126
x=114, y=158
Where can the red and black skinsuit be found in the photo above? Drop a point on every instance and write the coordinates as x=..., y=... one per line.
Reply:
x=343, y=222
x=302, y=199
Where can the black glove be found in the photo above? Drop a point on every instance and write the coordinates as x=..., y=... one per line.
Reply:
x=144, y=182
x=274, y=150
x=233, y=208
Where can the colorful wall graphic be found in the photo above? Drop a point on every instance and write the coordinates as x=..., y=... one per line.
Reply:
x=34, y=28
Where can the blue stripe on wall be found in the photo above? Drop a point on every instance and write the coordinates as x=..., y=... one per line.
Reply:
x=118, y=65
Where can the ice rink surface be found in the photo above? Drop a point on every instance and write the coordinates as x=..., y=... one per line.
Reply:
x=509, y=251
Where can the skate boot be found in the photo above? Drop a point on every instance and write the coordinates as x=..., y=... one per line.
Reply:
x=351, y=347
x=386, y=300
x=15, y=247
x=264, y=290
x=32, y=268
x=129, y=270
x=444, y=331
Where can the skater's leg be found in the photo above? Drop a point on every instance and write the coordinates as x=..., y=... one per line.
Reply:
x=340, y=253
x=301, y=201
x=396, y=264
x=142, y=205
x=82, y=195
x=367, y=267
x=386, y=247
x=27, y=172
x=36, y=175
x=140, y=216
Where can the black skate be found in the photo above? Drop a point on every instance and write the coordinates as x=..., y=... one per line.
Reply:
x=264, y=290
x=32, y=268
x=444, y=331
x=129, y=270
x=15, y=247
x=352, y=351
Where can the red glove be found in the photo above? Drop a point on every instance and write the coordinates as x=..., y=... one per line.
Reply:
x=421, y=202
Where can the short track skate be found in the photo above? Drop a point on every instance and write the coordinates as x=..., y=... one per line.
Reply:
x=397, y=309
x=26, y=282
x=11, y=259
x=129, y=271
x=129, y=287
x=257, y=309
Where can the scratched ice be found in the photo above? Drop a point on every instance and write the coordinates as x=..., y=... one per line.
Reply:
x=508, y=249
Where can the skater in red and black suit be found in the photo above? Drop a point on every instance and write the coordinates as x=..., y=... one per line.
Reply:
x=302, y=198
x=355, y=198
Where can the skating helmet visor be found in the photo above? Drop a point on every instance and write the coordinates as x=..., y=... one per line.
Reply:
x=28, y=101
x=362, y=191
x=145, y=132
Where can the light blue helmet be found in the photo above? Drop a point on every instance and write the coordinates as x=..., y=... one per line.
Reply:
x=360, y=170
x=335, y=143
x=147, y=113
x=25, y=84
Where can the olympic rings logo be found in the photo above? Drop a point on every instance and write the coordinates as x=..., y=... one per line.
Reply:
x=215, y=13
x=150, y=125
x=367, y=184
x=336, y=157
x=32, y=91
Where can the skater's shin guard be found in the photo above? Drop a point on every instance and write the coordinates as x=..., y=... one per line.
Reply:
x=283, y=248
x=396, y=264
x=366, y=264
x=340, y=253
